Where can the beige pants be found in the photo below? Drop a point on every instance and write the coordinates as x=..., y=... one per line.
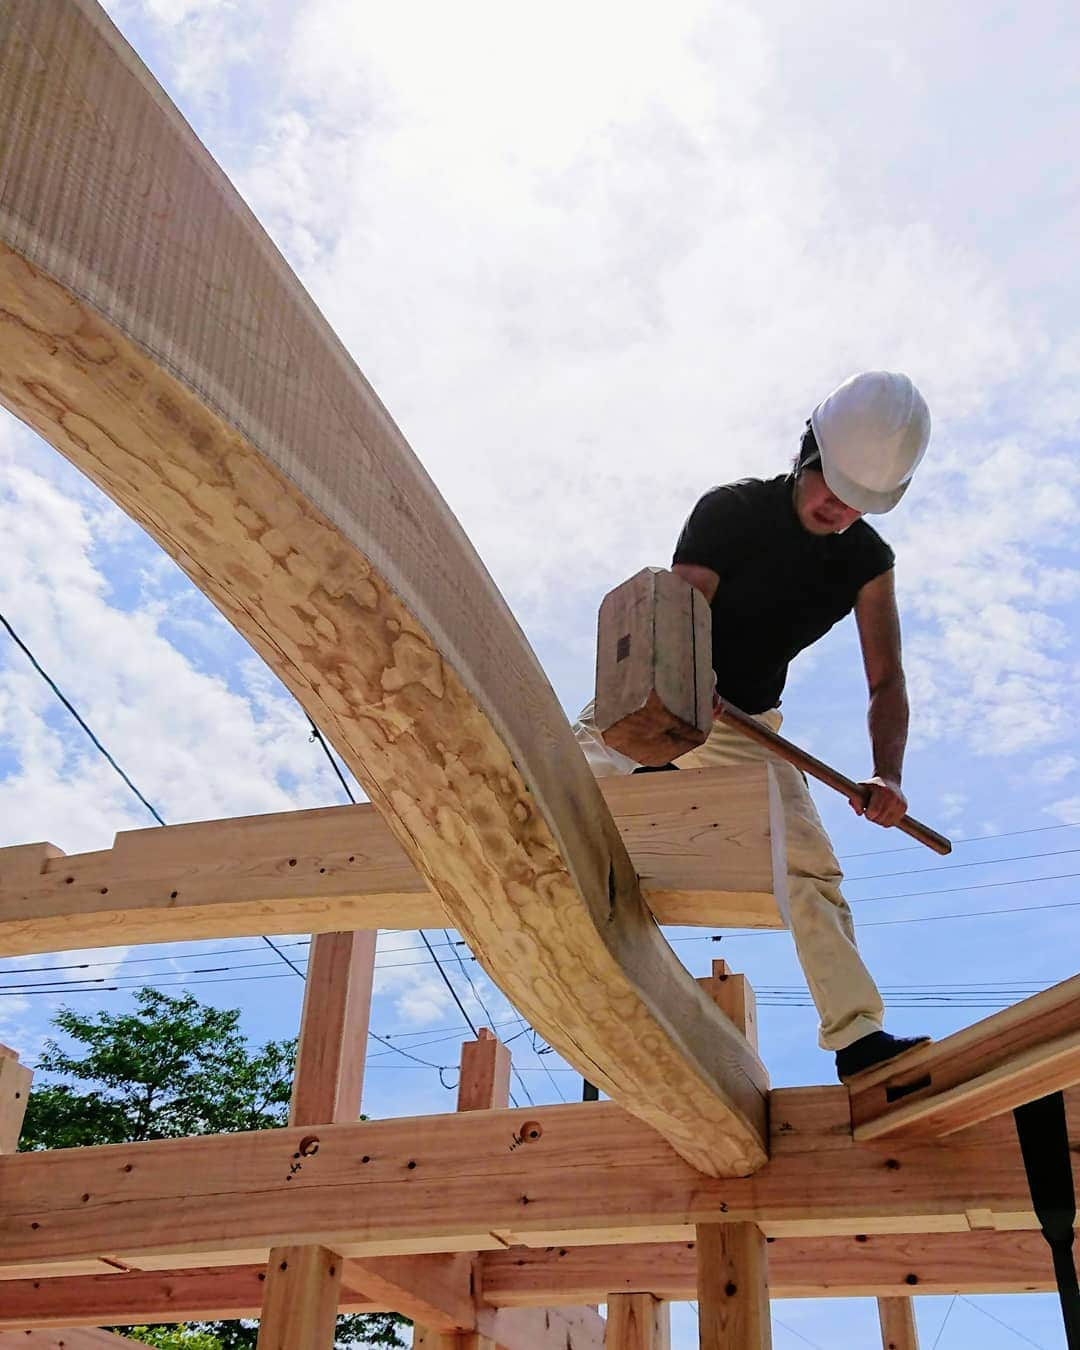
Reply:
x=846, y=997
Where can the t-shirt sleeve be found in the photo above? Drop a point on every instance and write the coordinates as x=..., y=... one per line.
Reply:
x=716, y=532
x=874, y=557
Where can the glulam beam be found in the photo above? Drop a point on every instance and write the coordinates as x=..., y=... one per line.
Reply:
x=153, y=334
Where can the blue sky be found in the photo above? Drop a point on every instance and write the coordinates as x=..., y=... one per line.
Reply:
x=596, y=259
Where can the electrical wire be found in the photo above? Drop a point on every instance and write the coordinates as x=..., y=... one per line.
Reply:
x=951, y=867
x=960, y=843
x=75, y=713
x=1001, y=1322
x=944, y=1320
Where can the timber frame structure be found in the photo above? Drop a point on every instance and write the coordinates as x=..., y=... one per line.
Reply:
x=153, y=334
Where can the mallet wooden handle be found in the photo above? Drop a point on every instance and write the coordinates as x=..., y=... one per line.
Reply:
x=785, y=749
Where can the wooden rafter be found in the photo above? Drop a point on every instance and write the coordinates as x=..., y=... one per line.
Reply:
x=1026, y=1051
x=700, y=843
x=214, y=404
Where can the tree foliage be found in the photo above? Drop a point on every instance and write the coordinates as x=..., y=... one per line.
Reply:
x=169, y=1068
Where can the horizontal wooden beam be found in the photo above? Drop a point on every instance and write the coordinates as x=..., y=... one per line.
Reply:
x=886, y=1265
x=878, y=1265
x=587, y=1173
x=1026, y=1051
x=131, y=1297
x=700, y=843
x=67, y=1338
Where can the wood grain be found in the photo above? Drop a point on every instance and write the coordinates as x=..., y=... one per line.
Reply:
x=151, y=332
x=898, y=1329
x=300, y=1306
x=654, y=677
x=733, y=1287
x=15, y=1080
x=1025, y=1052
x=861, y=1266
x=700, y=844
x=592, y=1174
x=637, y=1322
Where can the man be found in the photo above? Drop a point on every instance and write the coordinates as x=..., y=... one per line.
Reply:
x=780, y=562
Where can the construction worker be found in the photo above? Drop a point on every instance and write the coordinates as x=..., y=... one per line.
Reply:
x=780, y=561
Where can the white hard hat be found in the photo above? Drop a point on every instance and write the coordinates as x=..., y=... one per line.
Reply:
x=871, y=432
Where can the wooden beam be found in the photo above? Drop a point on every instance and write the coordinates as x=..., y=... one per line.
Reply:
x=700, y=843
x=589, y=1173
x=225, y=417
x=69, y=1338
x=637, y=1322
x=898, y=1329
x=15, y=1079
x=329, y=1076
x=131, y=1297
x=865, y=1266
x=1026, y=1051
x=435, y=1291
x=300, y=1306
x=889, y=1265
x=733, y=1287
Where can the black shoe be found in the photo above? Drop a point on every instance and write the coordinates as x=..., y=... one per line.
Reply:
x=869, y=1051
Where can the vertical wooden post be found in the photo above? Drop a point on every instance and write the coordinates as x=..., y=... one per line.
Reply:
x=329, y=1076
x=637, y=1322
x=897, y=1318
x=733, y=995
x=14, y=1092
x=303, y=1284
x=733, y=1287
x=450, y=1340
x=483, y=1084
x=732, y=1258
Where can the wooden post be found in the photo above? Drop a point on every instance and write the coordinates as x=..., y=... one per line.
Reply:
x=733, y=1287
x=483, y=1084
x=732, y=1259
x=637, y=1322
x=329, y=1076
x=450, y=1340
x=14, y=1092
x=897, y=1318
x=300, y=1305
x=734, y=995
x=303, y=1284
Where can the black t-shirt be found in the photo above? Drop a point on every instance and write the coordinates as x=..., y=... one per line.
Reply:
x=781, y=587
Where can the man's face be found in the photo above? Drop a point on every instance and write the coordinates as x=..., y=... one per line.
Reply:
x=818, y=509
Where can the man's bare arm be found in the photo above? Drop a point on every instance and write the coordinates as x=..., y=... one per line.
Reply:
x=879, y=635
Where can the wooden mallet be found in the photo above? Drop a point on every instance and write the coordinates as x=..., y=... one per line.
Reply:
x=654, y=686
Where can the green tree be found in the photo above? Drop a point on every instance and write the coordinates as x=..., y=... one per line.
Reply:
x=169, y=1068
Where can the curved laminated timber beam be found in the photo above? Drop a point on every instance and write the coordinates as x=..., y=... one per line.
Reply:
x=152, y=333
